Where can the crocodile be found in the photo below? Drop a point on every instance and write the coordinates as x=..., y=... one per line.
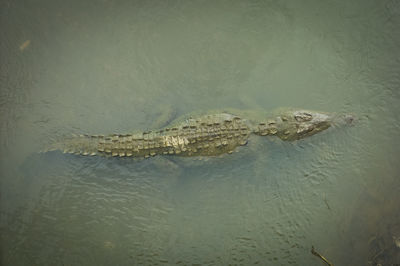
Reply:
x=205, y=135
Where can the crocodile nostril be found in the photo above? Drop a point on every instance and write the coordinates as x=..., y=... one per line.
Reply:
x=349, y=119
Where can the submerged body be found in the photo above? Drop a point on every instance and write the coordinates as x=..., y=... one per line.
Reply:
x=206, y=135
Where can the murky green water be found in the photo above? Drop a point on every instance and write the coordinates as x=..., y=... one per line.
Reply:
x=113, y=66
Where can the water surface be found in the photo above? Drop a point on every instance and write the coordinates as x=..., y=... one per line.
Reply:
x=115, y=66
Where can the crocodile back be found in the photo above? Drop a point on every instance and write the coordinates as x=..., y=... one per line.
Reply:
x=207, y=135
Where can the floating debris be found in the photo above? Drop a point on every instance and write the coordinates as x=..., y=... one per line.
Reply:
x=315, y=253
x=24, y=45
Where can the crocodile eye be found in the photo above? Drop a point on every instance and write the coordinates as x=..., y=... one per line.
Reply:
x=303, y=117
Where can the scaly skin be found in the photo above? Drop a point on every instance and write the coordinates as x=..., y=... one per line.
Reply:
x=208, y=135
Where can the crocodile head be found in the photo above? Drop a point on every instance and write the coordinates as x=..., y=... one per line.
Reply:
x=298, y=124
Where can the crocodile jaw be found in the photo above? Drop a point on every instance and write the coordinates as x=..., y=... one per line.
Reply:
x=300, y=124
x=319, y=122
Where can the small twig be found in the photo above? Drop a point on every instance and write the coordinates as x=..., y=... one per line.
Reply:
x=315, y=253
x=326, y=202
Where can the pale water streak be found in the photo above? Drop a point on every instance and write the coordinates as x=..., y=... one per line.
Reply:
x=114, y=66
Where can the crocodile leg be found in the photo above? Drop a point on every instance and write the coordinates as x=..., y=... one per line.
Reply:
x=164, y=117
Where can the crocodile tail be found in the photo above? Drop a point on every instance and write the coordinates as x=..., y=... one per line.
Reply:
x=82, y=144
